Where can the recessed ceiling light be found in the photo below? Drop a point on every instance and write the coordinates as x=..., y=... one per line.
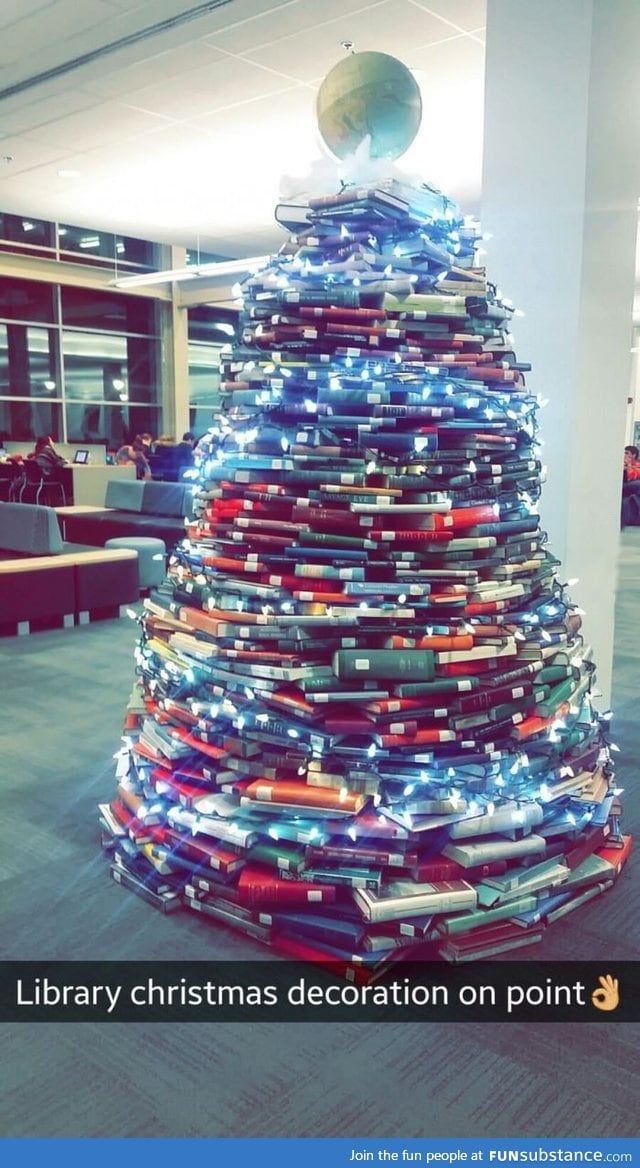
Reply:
x=68, y=174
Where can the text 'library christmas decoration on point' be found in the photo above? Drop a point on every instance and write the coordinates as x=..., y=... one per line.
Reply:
x=364, y=728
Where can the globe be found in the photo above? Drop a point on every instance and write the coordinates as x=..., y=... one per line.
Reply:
x=369, y=93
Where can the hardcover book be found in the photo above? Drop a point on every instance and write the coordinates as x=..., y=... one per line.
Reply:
x=400, y=899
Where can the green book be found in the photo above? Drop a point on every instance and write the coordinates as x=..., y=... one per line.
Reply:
x=275, y=855
x=400, y=664
x=476, y=918
x=550, y=673
x=566, y=691
x=444, y=685
x=322, y=538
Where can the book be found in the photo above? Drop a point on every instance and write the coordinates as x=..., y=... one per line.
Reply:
x=229, y=916
x=259, y=886
x=165, y=902
x=282, y=792
x=491, y=944
x=468, y=922
x=516, y=882
x=493, y=848
x=405, y=899
x=508, y=816
x=349, y=664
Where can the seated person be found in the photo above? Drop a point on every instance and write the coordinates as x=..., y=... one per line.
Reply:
x=630, y=513
x=170, y=460
x=47, y=457
x=183, y=451
x=631, y=464
x=133, y=454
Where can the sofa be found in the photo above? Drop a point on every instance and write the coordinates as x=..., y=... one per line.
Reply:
x=148, y=508
x=44, y=579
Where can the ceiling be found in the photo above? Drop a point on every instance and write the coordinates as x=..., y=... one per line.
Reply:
x=184, y=122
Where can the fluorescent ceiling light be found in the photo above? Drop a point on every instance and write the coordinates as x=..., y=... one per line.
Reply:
x=224, y=268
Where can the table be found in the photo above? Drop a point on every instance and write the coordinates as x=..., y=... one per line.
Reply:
x=87, y=485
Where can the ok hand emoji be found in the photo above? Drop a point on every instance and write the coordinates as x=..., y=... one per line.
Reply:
x=607, y=997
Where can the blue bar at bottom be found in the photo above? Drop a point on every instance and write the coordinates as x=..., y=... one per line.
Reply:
x=326, y=1153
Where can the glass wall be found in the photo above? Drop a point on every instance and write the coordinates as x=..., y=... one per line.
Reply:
x=210, y=329
x=84, y=364
x=79, y=245
x=76, y=363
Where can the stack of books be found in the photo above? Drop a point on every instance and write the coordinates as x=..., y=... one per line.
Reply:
x=364, y=721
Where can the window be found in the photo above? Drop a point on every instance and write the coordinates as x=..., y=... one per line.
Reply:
x=204, y=376
x=27, y=231
x=195, y=257
x=212, y=325
x=29, y=365
x=210, y=329
x=26, y=300
x=115, y=423
x=89, y=246
x=24, y=421
x=111, y=386
x=89, y=309
x=76, y=383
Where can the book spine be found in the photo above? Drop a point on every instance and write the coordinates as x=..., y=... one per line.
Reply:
x=350, y=664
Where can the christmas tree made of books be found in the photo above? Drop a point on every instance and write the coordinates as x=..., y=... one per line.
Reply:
x=363, y=728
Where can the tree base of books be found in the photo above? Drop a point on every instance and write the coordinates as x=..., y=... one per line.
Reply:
x=364, y=728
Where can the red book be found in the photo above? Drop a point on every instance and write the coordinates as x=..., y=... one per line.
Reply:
x=293, y=582
x=421, y=737
x=302, y=795
x=353, y=315
x=149, y=755
x=534, y=725
x=437, y=642
x=462, y=517
x=138, y=832
x=202, y=851
x=466, y=668
x=259, y=886
x=226, y=564
x=303, y=951
x=617, y=856
x=385, y=535
x=348, y=723
x=169, y=710
x=316, y=597
x=207, y=748
x=178, y=790
x=478, y=608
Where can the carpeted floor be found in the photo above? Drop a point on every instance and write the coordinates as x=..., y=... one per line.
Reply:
x=63, y=696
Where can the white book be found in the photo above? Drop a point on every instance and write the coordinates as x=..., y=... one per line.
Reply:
x=221, y=829
x=543, y=876
x=568, y=907
x=509, y=817
x=493, y=848
x=508, y=648
x=404, y=898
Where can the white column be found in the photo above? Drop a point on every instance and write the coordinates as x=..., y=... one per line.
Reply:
x=175, y=354
x=561, y=181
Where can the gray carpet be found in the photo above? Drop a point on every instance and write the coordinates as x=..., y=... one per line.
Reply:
x=63, y=695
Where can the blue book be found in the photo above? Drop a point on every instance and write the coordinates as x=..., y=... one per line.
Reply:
x=330, y=930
